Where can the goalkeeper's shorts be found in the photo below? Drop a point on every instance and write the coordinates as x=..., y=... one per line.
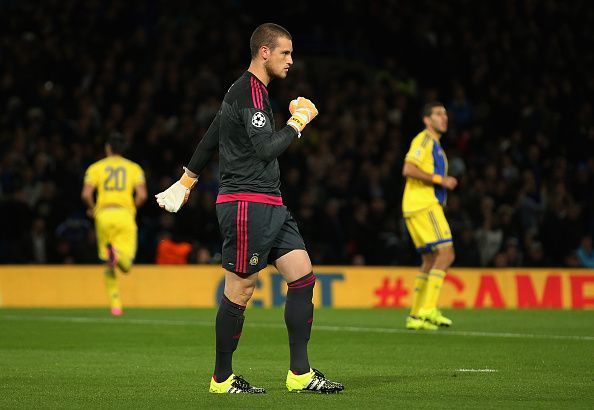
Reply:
x=255, y=234
x=116, y=226
x=429, y=229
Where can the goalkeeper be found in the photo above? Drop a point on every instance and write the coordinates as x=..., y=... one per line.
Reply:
x=257, y=228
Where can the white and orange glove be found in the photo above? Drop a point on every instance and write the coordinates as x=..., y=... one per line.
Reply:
x=302, y=112
x=174, y=197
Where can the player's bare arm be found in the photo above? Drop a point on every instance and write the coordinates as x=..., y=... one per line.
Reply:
x=140, y=195
x=411, y=170
x=87, y=197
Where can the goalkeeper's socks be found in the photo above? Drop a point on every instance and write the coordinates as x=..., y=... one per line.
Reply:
x=419, y=294
x=229, y=324
x=111, y=285
x=434, y=282
x=299, y=318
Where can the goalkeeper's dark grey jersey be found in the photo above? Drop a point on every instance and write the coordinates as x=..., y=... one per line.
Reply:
x=243, y=130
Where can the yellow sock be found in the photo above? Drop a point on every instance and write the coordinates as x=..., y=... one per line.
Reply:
x=434, y=282
x=111, y=285
x=419, y=295
x=124, y=263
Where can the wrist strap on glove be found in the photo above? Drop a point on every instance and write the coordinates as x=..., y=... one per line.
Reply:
x=187, y=181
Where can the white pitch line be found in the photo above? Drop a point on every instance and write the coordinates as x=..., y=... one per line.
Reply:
x=477, y=370
x=354, y=329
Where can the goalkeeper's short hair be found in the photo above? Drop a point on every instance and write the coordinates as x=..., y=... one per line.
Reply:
x=267, y=34
x=117, y=142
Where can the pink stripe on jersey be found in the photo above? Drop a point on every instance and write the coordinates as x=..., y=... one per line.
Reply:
x=256, y=94
x=262, y=92
x=250, y=197
x=254, y=99
x=260, y=96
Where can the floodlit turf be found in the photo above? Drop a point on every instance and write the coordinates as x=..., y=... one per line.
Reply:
x=157, y=358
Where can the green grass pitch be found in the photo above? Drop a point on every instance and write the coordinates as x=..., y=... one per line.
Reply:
x=163, y=359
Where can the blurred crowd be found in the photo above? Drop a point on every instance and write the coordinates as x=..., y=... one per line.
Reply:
x=515, y=76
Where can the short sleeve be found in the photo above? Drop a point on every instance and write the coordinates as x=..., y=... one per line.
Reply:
x=419, y=149
x=138, y=175
x=91, y=176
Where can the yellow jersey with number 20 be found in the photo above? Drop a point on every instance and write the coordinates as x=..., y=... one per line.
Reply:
x=114, y=178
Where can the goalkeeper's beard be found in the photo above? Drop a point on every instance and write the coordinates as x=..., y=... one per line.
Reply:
x=270, y=72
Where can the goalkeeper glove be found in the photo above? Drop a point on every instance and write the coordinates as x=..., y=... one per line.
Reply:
x=174, y=197
x=302, y=112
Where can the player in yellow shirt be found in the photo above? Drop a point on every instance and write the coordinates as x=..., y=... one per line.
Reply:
x=121, y=188
x=427, y=181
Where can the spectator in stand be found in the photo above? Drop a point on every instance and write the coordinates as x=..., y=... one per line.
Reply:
x=522, y=127
x=585, y=253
